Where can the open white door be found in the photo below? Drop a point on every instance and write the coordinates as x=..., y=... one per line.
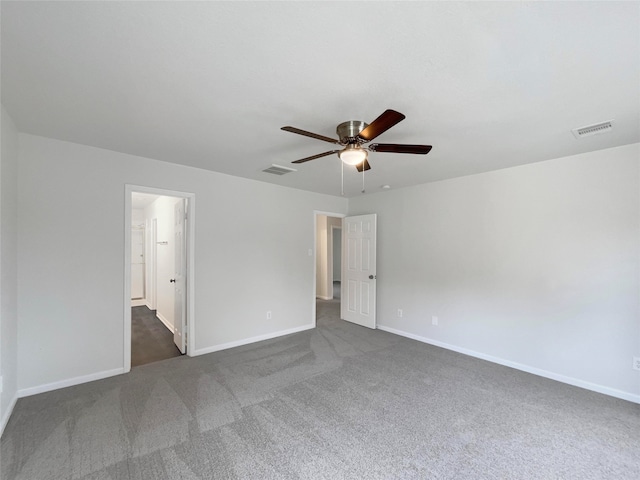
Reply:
x=358, y=294
x=180, y=315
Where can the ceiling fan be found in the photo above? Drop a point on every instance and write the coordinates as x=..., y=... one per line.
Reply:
x=354, y=134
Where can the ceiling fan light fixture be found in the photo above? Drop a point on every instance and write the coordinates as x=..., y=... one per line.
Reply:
x=353, y=155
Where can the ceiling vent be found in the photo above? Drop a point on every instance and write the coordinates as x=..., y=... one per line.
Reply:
x=590, y=130
x=279, y=170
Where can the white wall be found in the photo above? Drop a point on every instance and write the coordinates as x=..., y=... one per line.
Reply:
x=337, y=253
x=331, y=222
x=138, y=280
x=163, y=210
x=137, y=217
x=324, y=255
x=251, y=256
x=321, y=257
x=8, y=267
x=536, y=266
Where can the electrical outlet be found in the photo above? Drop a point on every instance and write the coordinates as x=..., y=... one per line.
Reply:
x=400, y=313
x=636, y=363
x=434, y=320
x=269, y=315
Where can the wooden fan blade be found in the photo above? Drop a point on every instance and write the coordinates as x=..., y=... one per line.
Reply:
x=309, y=134
x=396, y=148
x=381, y=124
x=313, y=157
x=364, y=165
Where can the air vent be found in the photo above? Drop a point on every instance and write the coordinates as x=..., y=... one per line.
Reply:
x=590, y=130
x=279, y=170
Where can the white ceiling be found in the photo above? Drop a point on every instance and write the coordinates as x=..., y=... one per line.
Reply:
x=209, y=84
x=142, y=200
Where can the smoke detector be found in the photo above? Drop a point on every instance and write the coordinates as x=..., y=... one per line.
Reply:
x=279, y=170
x=590, y=130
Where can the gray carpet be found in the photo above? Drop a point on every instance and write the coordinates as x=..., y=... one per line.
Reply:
x=337, y=402
x=151, y=341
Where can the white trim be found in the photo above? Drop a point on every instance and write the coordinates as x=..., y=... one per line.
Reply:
x=139, y=302
x=329, y=214
x=519, y=366
x=126, y=362
x=259, y=338
x=26, y=392
x=190, y=281
x=7, y=414
x=323, y=297
x=154, y=264
x=165, y=322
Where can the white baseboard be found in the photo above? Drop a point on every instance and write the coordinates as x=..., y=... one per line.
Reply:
x=138, y=302
x=164, y=321
x=246, y=341
x=7, y=414
x=26, y=392
x=322, y=297
x=519, y=366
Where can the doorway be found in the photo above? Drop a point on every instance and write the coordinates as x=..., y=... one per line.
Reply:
x=328, y=271
x=159, y=280
x=336, y=256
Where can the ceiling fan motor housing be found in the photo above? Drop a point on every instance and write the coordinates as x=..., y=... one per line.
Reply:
x=348, y=131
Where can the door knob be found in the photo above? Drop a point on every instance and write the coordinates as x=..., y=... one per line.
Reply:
x=173, y=280
x=371, y=277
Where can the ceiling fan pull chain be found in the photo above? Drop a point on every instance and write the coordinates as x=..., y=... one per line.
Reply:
x=363, y=169
x=342, y=163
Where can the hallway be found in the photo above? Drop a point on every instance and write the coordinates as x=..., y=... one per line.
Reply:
x=151, y=341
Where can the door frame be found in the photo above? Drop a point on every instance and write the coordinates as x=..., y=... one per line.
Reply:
x=190, y=264
x=315, y=255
